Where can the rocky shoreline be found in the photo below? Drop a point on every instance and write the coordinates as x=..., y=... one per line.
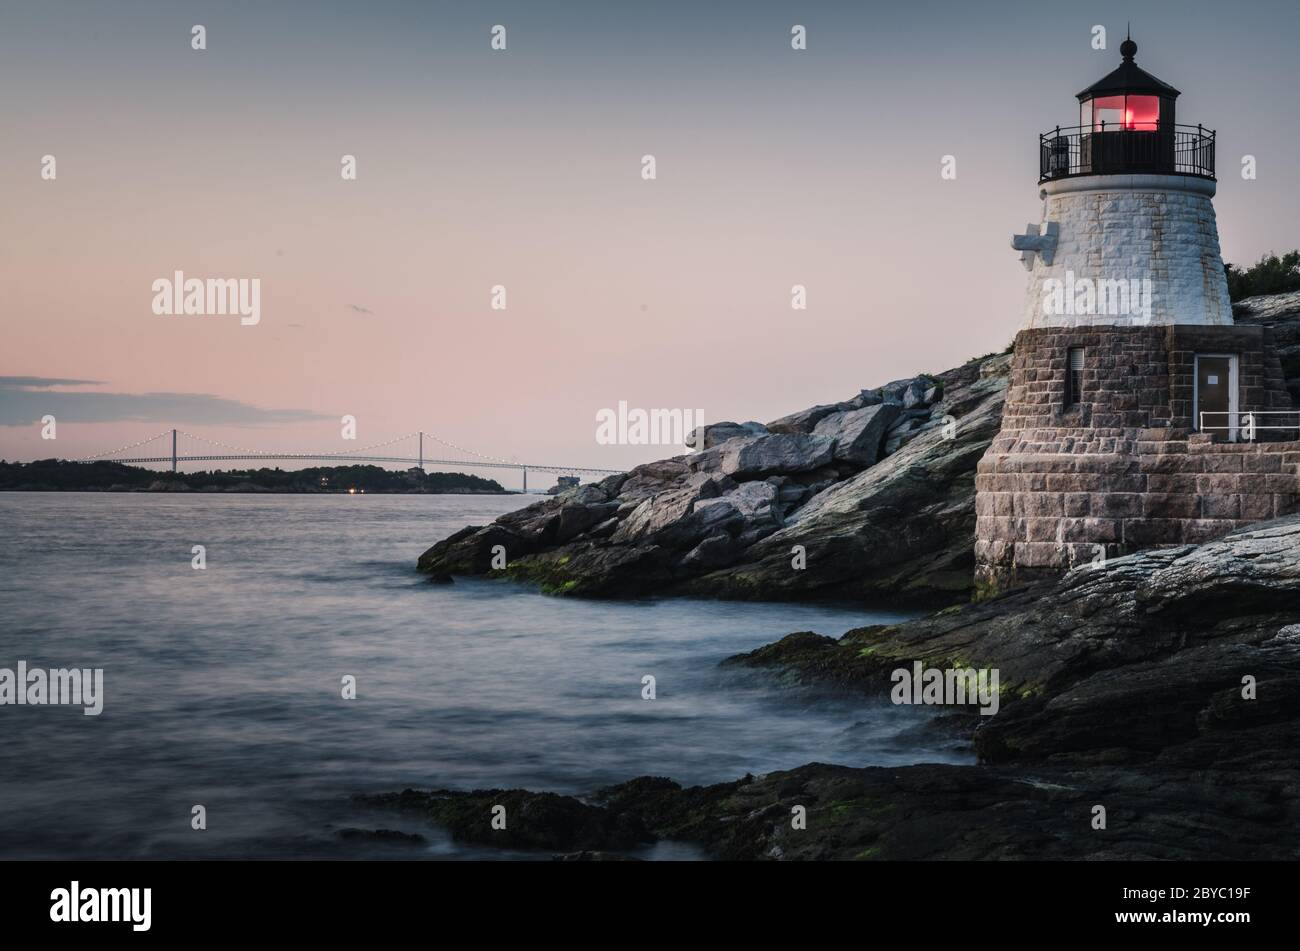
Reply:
x=1160, y=689
x=869, y=499
x=1123, y=685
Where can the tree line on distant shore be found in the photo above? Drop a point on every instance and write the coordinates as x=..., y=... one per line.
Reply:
x=55, y=475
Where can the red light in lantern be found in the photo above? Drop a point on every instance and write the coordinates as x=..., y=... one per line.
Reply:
x=1142, y=112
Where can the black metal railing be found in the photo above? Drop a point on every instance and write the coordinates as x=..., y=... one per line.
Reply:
x=1165, y=150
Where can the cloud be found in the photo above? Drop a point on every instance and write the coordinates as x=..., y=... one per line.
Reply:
x=361, y=310
x=25, y=399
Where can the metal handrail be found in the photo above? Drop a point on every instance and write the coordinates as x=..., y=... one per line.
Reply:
x=1246, y=423
x=1168, y=149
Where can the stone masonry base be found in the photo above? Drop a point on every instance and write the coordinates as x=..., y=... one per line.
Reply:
x=1041, y=513
x=1122, y=470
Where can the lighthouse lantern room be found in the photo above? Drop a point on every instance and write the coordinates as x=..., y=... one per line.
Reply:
x=1127, y=124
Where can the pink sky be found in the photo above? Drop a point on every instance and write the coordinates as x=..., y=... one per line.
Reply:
x=522, y=169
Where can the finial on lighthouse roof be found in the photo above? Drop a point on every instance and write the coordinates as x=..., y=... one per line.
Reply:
x=1128, y=48
x=1128, y=78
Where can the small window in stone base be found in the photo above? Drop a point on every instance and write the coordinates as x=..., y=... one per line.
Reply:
x=1074, y=376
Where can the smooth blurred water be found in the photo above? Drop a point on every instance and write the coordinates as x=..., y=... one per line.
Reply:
x=223, y=686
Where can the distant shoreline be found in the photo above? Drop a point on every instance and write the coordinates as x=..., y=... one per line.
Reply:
x=211, y=490
x=59, y=475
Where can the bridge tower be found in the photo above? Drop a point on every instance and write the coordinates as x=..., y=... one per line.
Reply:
x=173, y=450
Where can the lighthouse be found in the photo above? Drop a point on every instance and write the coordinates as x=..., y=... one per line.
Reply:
x=1137, y=414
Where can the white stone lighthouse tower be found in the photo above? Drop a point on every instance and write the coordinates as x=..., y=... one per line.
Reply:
x=1126, y=201
x=1133, y=396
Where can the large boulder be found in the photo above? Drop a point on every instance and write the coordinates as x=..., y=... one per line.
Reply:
x=715, y=434
x=909, y=424
x=778, y=452
x=858, y=433
x=1280, y=313
x=656, y=513
x=537, y=820
x=805, y=421
x=576, y=518
x=754, y=502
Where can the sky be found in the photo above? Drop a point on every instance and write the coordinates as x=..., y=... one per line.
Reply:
x=523, y=168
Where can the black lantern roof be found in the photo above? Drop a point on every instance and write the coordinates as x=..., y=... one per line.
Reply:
x=1128, y=77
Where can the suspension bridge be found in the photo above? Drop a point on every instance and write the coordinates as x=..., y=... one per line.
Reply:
x=212, y=450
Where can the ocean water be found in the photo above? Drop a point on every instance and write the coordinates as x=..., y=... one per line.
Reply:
x=223, y=687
